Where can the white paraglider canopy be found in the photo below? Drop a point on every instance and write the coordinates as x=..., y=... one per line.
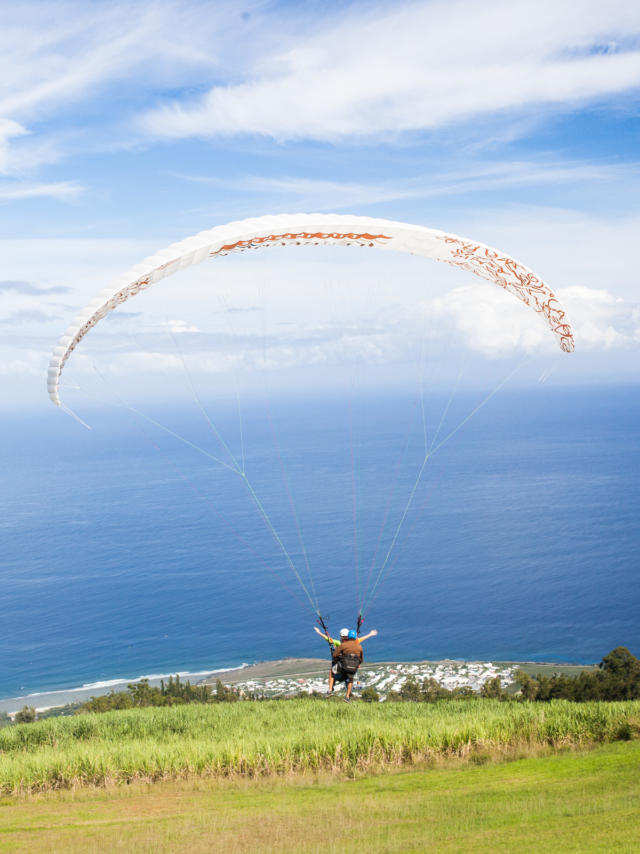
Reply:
x=317, y=229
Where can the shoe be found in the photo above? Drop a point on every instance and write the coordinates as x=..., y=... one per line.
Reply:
x=347, y=699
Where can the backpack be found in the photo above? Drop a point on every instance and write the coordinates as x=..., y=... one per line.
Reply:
x=349, y=662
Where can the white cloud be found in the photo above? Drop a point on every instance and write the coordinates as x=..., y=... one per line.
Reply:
x=62, y=190
x=178, y=327
x=418, y=66
x=487, y=321
x=601, y=321
x=477, y=319
x=302, y=349
x=31, y=363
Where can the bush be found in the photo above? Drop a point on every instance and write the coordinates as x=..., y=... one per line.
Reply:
x=26, y=715
x=141, y=695
x=370, y=695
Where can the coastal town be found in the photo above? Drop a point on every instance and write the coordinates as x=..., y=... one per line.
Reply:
x=309, y=676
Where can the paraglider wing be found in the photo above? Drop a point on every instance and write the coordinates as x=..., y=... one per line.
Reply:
x=316, y=229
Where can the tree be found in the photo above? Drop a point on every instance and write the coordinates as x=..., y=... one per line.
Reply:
x=224, y=694
x=142, y=693
x=562, y=687
x=617, y=678
x=411, y=691
x=528, y=685
x=492, y=689
x=432, y=690
x=621, y=675
x=588, y=686
x=26, y=715
x=620, y=662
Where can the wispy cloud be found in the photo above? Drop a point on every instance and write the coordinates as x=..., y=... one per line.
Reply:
x=296, y=73
x=27, y=289
x=20, y=318
x=417, y=67
x=56, y=59
x=56, y=54
x=63, y=191
x=312, y=193
x=8, y=130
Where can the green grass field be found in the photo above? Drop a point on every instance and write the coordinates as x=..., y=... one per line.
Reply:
x=585, y=801
x=288, y=737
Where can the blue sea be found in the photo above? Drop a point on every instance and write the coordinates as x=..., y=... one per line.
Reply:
x=125, y=551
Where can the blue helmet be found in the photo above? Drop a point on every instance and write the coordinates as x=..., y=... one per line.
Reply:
x=352, y=635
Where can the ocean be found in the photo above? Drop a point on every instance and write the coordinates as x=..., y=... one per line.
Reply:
x=127, y=552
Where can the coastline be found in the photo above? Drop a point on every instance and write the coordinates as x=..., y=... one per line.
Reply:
x=44, y=700
x=286, y=673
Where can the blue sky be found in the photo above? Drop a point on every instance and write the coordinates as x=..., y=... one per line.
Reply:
x=124, y=127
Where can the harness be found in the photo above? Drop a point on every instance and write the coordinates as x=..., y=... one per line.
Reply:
x=349, y=663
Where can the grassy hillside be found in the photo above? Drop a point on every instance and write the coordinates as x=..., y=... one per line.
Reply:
x=568, y=802
x=283, y=737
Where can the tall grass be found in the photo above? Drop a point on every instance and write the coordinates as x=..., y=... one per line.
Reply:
x=276, y=737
